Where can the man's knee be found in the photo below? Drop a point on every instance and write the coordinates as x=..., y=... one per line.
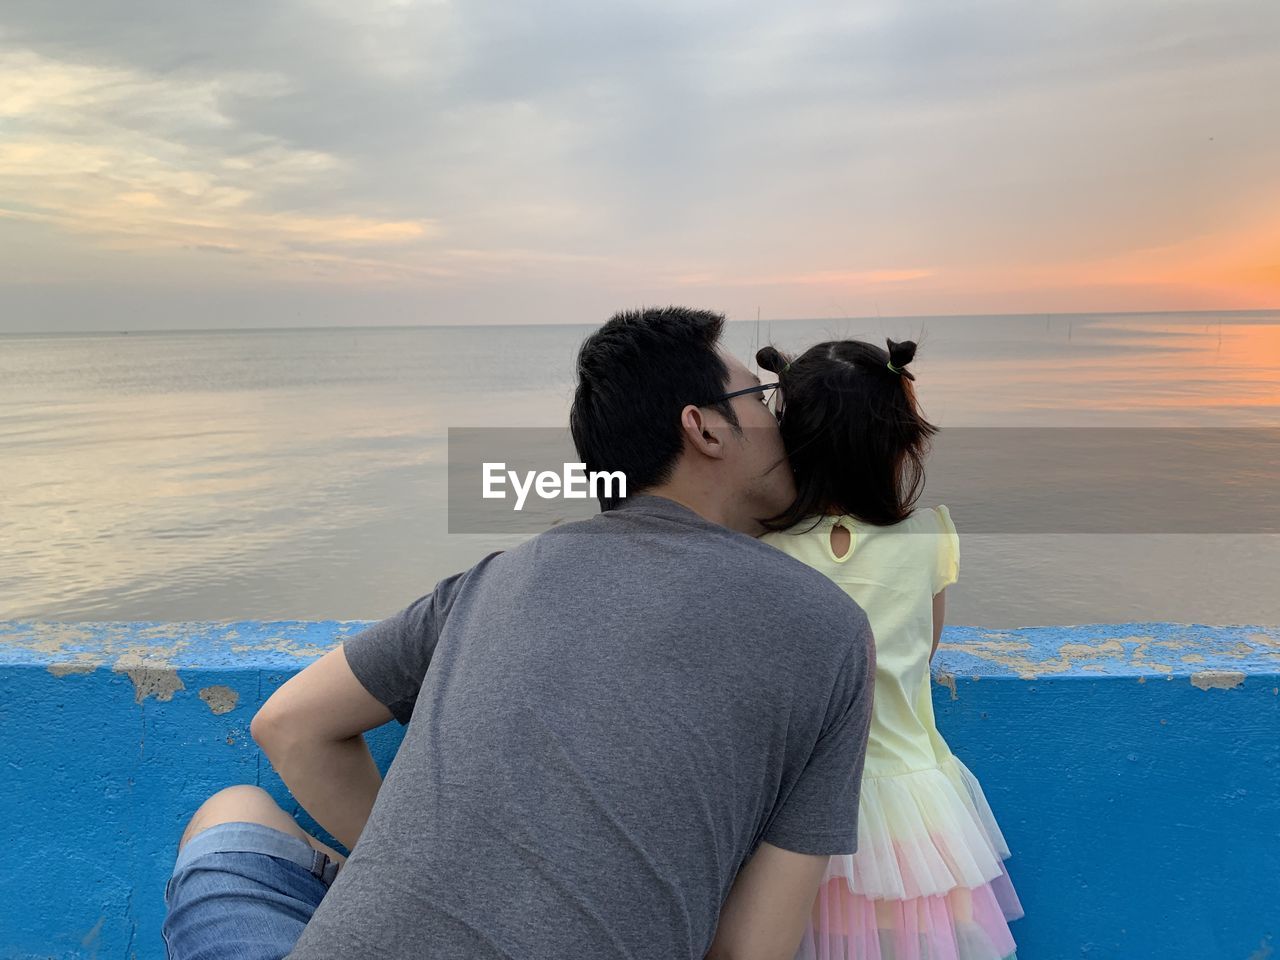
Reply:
x=244, y=803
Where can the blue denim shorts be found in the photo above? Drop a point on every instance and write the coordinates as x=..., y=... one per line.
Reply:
x=243, y=891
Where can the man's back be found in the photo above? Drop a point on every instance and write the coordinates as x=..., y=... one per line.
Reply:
x=616, y=713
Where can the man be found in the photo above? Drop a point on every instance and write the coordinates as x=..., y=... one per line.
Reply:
x=638, y=736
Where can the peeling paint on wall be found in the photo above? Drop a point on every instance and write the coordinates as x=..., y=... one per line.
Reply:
x=220, y=699
x=52, y=637
x=284, y=646
x=1008, y=653
x=1109, y=649
x=63, y=669
x=151, y=676
x=948, y=680
x=1217, y=679
x=1150, y=654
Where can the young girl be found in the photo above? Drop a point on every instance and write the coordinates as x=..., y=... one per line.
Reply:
x=927, y=882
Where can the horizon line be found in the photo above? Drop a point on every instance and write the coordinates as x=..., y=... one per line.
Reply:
x=468, y=326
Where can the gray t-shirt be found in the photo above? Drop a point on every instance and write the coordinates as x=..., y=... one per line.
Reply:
x=603, y=724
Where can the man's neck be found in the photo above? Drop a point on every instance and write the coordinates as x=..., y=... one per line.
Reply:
x=706, y=504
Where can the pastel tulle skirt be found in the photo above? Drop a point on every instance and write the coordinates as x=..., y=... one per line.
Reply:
x=928, y=881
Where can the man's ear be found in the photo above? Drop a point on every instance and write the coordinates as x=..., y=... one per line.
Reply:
x=701, y=433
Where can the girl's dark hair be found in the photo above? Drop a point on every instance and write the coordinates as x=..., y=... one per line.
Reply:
x=635, y=374
x=853, y=432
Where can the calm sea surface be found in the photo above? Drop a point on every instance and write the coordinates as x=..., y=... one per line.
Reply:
x=301, y=474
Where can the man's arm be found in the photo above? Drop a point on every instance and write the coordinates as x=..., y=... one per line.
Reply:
x=312, y=727
x=311, y=730
x=768, y=907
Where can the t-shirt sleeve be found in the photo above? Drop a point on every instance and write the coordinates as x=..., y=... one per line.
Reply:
x=390, y=658
x=820, y=814
x=948, y=566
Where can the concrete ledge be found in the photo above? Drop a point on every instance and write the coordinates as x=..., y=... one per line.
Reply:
x=1135, y=769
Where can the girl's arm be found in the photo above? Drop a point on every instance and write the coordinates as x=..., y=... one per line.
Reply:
x=939, y=615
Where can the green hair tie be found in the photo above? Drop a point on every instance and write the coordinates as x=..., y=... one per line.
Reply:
x=893, y=368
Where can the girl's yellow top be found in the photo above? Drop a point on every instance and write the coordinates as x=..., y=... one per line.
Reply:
x=929, y=872
x=893, y=573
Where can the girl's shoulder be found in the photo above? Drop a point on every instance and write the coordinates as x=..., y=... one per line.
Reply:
x=942, y=516
x=930, y=520
x=933, y=520
x=934, y=543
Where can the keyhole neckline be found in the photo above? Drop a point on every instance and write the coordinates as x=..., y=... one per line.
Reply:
x=829, y=523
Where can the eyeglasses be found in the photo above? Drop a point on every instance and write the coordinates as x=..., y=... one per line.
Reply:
x=768, y=396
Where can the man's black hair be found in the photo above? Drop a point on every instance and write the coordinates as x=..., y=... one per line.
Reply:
x=635, y=374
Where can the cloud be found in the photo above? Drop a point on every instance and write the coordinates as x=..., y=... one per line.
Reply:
x=142, y=163
x=822, y=278
x=736, y=148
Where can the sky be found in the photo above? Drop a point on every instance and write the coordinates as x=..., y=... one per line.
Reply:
x=261, y=163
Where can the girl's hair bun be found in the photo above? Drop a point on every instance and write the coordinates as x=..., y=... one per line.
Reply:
x=900, y=354
x=768, y=358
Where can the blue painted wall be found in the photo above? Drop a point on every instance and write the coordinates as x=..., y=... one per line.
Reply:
x=1135, y=770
